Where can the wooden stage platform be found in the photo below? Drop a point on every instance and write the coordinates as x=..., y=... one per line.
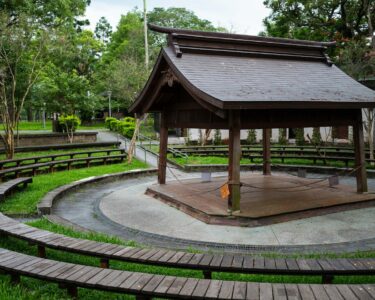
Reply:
x=264, y=199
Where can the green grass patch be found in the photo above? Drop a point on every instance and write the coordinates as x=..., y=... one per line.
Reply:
x=25, y=202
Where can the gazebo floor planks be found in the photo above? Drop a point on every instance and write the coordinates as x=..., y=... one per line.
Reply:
x=264, y=199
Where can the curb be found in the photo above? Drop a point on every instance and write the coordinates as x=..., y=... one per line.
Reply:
x=44, y=207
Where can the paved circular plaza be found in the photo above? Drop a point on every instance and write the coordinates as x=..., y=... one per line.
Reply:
x=121, y=208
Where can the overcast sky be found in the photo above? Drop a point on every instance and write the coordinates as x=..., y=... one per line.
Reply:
x=239, y=16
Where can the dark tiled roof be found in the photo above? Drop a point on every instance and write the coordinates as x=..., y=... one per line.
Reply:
x=232, y=71
x=247, y=79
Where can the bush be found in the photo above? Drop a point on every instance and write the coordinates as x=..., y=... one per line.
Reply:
x=300, y=136
x=69, y=123
x=282, y=136
x=125, y=127
x=108, y=121
x=251, y=137
x=316, y=136
x=217, y=137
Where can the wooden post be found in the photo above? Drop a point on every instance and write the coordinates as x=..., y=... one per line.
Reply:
x=267, y=151
x=359, y=148
x=163, y=148
x=234, y=161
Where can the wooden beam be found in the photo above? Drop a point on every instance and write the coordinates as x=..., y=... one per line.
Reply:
x=163, y=145
x=267, y=151
x=234, y=161
x=359, y=148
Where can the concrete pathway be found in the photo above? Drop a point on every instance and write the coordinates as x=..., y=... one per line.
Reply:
x=122, y=209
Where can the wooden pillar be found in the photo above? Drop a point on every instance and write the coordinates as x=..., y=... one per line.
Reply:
x=267, y=151
x=234, y=161
x=359, y=148
x=163, y=145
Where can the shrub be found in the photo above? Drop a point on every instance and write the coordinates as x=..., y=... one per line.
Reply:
x=251, y=137
x=217, y=137
x=282, y=136
x=108, y=121
x=300, y=136
x=316, y=136
x=69, y=123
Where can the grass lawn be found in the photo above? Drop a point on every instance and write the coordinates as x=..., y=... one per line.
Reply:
x=36, y=289
x=25, y=202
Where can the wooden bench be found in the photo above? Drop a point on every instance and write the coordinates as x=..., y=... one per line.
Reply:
x=10, y=185
x=146, y=286
x=33, y=168
x=64, y=146
x=36, y=159
x=207, y=263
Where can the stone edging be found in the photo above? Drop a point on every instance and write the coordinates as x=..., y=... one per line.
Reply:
x=45, y=205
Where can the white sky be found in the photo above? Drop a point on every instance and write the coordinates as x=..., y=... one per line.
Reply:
x=239, y=16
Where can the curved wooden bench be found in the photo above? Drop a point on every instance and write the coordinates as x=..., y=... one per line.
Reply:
x=33, y=168
x=10, y=185
x=35, y=159
x=146, y=286
x=207, y=263
x=64, y=146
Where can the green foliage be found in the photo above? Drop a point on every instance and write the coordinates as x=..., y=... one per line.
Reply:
x=125, y=127
x=25, y=202
x=282, y=136
x=217, y=137
x=355, y=60
x=316, y=136
x=103, y=30
x=300, y=136
x=69, y=123
x=108, y=121
x=251, y=137
x=318, y=19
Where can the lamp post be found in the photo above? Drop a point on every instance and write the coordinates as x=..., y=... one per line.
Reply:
x=44, y=115
x=109, y=93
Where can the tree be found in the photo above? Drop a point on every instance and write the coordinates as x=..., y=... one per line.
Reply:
x=282, y=136
x=22, y=46
x=103, y=30
x=339, y=20
x=251, y=137
x=300, y=136
x=26, y=29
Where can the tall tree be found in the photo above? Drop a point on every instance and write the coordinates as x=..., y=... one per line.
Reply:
x=338, y=20
x=103, y=30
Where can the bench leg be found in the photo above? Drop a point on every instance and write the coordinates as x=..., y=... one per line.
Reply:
x=104, y=263
x=327, y=279
x=207, y=274
x=87, y=163
x=51, y=169
x=41, y=251
x=69, y=166
x=143, y=297
x=15, y=278
x=72, y=291
x=34, y=171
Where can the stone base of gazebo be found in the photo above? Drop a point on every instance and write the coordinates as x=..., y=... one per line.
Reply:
x=264, y=199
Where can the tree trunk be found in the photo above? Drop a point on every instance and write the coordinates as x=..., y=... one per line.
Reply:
x=29, y=114
x=9, y=142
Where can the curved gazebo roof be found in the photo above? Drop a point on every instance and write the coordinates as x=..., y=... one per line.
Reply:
x=224, y=71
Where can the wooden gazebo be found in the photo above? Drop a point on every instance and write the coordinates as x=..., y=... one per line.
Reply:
x=230, y=81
